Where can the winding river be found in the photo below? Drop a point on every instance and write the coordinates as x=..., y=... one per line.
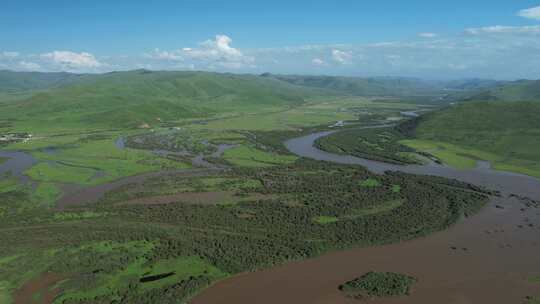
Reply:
x=487, y=258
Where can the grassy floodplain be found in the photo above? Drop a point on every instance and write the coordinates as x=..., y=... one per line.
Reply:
x=168, y=237
x=505, y=133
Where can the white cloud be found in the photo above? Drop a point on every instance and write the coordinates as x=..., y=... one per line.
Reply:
x=29, y=66
x=219, y=51
x=427, y=35
x=165, y=55
x=500, y=29
x=72, y=60
x=318, y=61
x=530, y=13
x=9, y=54
x=341, y=57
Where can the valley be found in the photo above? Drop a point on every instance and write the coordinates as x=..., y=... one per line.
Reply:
x=172, y=187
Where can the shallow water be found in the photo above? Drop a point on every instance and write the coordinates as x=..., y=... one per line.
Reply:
x=482, y=175
x=120, y=143
x=17, y=163
x=483, y=259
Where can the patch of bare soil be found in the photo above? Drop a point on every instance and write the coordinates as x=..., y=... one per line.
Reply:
x=40, y=290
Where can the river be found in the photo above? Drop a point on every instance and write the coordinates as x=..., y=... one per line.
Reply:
x=486, y=258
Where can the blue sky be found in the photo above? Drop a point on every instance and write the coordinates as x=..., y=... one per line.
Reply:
x=428, y=39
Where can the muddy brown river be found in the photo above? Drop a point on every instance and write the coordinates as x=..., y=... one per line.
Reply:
x=487, y=258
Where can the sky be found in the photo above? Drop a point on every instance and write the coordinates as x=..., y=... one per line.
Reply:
x=498, y=39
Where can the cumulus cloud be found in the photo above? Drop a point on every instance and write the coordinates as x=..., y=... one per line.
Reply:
x=500, y=29
x=427, y=35
x=72, y=60
x=341, y=57
x=505, y=52
x=219, y=51
x=530, y=13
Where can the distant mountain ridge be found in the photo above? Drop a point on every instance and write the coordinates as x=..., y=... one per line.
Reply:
x=371, y=86
x=131, y=98
x=520, y=90
x=13, y=82
x=120, y=99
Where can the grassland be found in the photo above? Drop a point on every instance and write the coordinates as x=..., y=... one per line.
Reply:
x=376, y=144
x=532, y=300
x=280, y=207
x=163, y=253
x=246, y=156
x=326, y=219
x=95, y=162
x=370, y=183
x=129, y=99
x=506, y=134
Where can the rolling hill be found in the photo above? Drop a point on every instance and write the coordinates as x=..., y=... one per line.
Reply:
x=505, y=133
x=521, y=90
x=374, y=86
x=16, y=82
x=128, y=99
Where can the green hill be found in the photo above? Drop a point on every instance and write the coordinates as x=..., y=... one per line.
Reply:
x=521, y=90
x=375, y=86
x=505, y=133
x=16, y=86
x=128, y=99
x=14, y=82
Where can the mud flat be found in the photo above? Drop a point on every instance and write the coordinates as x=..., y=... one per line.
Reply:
x=487, y=258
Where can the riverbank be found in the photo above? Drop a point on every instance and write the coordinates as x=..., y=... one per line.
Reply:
x=487, y=258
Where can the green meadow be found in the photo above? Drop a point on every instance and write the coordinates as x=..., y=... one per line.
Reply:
x=507, y=134
x=251, y=206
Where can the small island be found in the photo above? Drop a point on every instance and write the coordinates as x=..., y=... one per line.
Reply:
x=378, y=285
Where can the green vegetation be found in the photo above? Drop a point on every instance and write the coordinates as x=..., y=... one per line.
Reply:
x=364, y=86
x=505, y=133
x=532, y=300
x=370, y=183
x=379, y=284
x=5, y=297
x=246, y=156
x=59, y=173
x=46, y=194
x=521, y=90
x=86, y=161
x=325, y=219
x=3, y=160
x=265, y=206
x=136, y=98
x=376, y=144
x=69, y=216
x=16, y=82
x=535, y=279
x=155, y=253
x=379, y=208
x=452, y=155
